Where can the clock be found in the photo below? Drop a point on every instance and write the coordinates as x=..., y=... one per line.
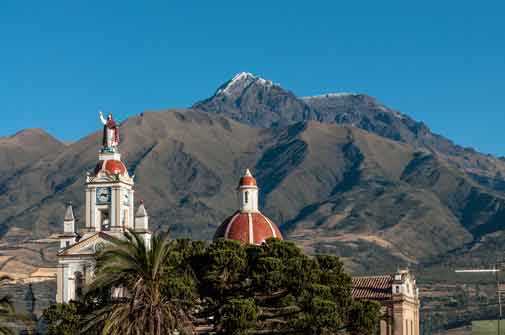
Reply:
x=126, y=199
x=103, y=195
x=99, y=246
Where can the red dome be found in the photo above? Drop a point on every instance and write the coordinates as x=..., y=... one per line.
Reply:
x=247, y=180
x=111, y=166
x=249, y=228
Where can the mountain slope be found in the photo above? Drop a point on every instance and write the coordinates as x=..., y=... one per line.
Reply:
x=339, y=173
x=359, y=181
x=260, y=103
x=23, y=148
x=330, y=187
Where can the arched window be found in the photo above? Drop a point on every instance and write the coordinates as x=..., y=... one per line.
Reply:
x=246, y=197
x=104, y=219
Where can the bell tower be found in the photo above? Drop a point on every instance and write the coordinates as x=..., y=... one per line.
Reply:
x=108, y=212
x=109, y=195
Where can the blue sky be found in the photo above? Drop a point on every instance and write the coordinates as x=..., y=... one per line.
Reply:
x=441, y=62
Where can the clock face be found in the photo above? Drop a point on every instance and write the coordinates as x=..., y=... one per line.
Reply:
x=103, y=195
x=99, y=246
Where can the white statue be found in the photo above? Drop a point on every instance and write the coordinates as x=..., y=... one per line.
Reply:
x=110, y=132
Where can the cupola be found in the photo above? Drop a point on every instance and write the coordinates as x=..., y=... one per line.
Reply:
x=248, y=225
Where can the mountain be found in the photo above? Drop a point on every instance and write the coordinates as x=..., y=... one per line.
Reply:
x=260, y=103
x=23, y=148
x=339, y=173
x=337, y=169
x=325, y=184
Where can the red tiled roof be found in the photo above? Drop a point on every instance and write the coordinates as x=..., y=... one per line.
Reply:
x=247, y=181
x=240, y=225
x=111, y=167
x=372, y=287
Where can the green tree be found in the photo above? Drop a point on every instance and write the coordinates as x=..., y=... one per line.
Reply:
x=8, y=313
x=62, y=319
x=275, y=288
x=364, y=317
x=150, y=305
x=174, y=285
x=237, y=316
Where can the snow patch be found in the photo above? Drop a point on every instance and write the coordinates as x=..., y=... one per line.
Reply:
x=241, y=81
x=330, y=95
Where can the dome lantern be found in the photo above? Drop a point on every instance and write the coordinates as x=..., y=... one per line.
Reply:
x=247, y=193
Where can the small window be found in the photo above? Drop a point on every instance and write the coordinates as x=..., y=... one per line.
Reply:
x=67, y=244
x=246, y=197
x=79, y=284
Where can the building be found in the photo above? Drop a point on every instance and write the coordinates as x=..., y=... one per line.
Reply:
x=399, y=299
x=397, y=294
x=108, y=212
x=248, y=224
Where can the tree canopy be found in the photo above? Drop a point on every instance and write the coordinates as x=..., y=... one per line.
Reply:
x=224, y=286
x=276, y=288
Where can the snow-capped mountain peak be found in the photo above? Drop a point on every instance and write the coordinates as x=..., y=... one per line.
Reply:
x=240, y=82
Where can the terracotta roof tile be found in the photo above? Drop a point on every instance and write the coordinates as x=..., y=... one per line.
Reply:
x=372, y=287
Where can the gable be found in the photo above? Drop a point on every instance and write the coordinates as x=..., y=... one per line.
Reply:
x=87, y=246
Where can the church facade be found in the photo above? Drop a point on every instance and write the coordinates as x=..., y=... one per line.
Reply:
x=399, y=298
x=108, y=212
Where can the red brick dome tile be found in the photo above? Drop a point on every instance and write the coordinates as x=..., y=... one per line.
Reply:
x=248, y=228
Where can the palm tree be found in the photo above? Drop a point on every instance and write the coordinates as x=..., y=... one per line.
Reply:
x=8, y=314
x=6, y=311
x=130, y=265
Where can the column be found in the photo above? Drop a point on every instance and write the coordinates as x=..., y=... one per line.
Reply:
x=87, y=209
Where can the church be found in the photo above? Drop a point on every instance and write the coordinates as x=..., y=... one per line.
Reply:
x=109, y=212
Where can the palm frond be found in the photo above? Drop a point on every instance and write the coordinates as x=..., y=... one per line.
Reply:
x=128, y=262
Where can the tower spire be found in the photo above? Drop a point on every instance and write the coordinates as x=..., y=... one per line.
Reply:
x=69, y=220
x=69, y=213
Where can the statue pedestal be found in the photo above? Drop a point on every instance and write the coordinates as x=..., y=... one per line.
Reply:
x=109, y=155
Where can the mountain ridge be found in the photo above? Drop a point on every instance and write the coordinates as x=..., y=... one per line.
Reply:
x=283, y=108
x=339, y=173
x=327, y=170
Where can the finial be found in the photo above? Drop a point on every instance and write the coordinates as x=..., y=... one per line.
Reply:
x=141, y=211
x=69, y=213
x=248, y=173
